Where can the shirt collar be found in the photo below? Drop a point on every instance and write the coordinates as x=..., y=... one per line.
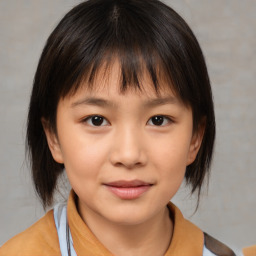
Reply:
x=187, y=239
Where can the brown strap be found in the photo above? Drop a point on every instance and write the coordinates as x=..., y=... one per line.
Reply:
x=217, y=247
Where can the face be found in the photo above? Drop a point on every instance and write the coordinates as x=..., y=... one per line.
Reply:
x=125, y=154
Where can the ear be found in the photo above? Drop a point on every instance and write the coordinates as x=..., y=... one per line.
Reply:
x=53, y=142
x=196, y=142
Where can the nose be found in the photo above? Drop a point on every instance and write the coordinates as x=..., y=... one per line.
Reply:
x=128, y=149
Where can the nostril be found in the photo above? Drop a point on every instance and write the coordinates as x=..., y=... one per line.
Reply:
x=127, y=151
x=128, y=165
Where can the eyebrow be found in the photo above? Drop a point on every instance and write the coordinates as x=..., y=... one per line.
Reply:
x=161, y=101
x=95, y=101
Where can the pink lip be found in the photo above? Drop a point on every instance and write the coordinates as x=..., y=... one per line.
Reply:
x=128, y=189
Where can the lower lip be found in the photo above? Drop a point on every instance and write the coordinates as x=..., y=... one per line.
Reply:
x=130, y=192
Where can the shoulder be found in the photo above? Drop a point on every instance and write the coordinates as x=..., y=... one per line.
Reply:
x=250, y=251
x=216, y=247
x=189, y=237
x=39, y=239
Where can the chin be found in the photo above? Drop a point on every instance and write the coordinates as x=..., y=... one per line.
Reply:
x=128, y=220
x=128, y=217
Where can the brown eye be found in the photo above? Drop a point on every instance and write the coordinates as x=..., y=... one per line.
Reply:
x=96, y=120
x=159, y=120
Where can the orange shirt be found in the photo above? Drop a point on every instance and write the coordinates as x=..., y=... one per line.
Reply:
x=250, y=251
x=42, y=239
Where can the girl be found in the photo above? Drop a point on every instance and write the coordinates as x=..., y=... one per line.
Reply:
x=122, y=102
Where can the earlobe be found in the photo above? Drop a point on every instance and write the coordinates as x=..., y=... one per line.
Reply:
x=195, y=144
x=53, y=142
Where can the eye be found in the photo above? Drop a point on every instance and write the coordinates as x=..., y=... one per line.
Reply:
x=96, y=120
x=159, y=120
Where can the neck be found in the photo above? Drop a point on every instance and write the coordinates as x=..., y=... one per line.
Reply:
x=151, y=237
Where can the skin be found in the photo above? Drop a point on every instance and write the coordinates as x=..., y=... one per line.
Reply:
x=127, y=146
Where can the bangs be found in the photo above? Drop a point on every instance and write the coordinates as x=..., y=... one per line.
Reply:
x=147, y=38
x=136, y=59
x=133, y=70
x=131, y=41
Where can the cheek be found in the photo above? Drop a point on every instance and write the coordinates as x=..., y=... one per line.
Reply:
x=83, y=156
x=170, y=158
x=171, y=172
x=82, y=168
x=171, y=151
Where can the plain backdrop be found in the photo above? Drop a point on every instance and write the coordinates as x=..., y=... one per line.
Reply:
x=226, y=30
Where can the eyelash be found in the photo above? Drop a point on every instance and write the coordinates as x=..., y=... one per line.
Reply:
x=89, y=118
x=166, y=118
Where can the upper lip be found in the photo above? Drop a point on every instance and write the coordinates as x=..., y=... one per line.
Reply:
x=127, y=184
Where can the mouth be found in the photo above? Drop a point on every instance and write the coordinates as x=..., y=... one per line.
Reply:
x=128, y=190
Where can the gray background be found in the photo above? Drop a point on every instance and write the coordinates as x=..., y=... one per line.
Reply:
x=226, y=30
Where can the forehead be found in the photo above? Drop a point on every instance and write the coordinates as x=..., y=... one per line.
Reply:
x=108, y=80
x=105, y=93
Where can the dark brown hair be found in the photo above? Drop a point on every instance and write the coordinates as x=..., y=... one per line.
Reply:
x=141, y=34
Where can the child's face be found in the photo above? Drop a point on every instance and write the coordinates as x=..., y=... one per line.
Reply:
x=125, y=154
